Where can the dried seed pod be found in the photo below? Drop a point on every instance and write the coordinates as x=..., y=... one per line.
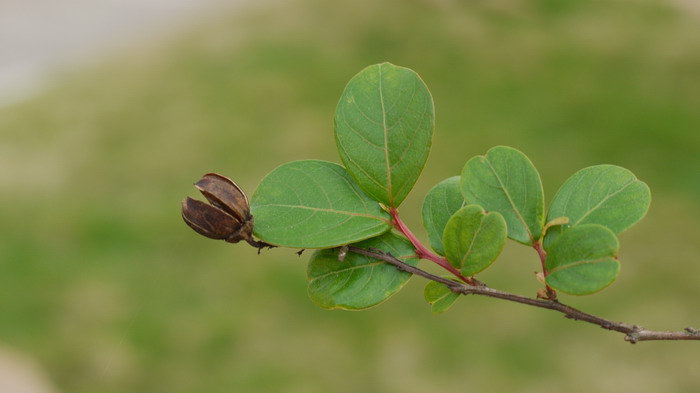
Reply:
x=223, y=193
x=227, y=218
x=208, y=220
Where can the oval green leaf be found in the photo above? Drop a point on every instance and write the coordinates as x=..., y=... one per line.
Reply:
x=441, y=202
x=314, y=204
x=583, y=260
x=440, y=297
x=506, y=181
x=383, y=130
x=358, y=282
x=608, y=195
x=473, y=239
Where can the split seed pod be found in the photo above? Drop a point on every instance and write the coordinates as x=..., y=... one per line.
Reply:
x=227, y=217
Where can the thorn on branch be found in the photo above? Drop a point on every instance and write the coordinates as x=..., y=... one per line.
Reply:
x=300, y=252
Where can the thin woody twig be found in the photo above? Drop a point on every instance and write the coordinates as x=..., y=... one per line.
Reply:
x=633, y=333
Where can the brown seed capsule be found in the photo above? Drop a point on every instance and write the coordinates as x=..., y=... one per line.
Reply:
x=227, y=218
x=223, y=193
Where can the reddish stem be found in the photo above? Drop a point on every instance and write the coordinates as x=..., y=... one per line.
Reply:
x=543, y=255
x=551, y=293
x=422, y=251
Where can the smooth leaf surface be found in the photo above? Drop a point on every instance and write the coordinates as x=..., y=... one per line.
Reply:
x=473, y=239
x=440, y=297
x=608, y=195
x=383, y=130
x=506, y=181
x=441, y=202
x=314, y=204
x=358, y=282
x=583, y=260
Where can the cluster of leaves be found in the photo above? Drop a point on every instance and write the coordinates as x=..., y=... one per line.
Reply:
x=383, y=130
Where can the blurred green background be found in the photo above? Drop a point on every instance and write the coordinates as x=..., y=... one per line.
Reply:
x=104, y=285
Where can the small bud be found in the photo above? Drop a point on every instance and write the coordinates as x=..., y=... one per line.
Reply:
x=343, y=253
x=227, y=218
x=559, y=221
x=540, y=277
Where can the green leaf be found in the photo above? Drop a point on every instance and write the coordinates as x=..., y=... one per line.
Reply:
x=473, y=239
x=314, y=204
x=358, y=282
x=504, y=180
x=441, y=202
x=439, y=296
x=608, y=195
x=383, y=130
x=583, y=260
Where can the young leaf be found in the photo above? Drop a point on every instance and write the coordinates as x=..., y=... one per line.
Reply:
x=441, y=202
x=608, y=195
x=504, y=180
x=314, y=204
x=358, y=282
x=383, y=130
x=439, y=296
x=473, y=239
x=555, y=222
x=583, y=260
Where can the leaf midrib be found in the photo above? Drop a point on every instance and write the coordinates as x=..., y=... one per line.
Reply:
x=510, y=200
x=319, y=209
x=443, y=297
x=582, y=262
x=605, y=199
x=471, y=244
x=386, y=140
x=352, y=268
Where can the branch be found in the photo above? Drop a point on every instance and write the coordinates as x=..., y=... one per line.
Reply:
x=633, y=333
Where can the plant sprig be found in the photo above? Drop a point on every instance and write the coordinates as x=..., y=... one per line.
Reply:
x=383, y=130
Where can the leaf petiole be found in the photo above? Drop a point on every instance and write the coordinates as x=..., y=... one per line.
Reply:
x=422, y=251
x=551, y=293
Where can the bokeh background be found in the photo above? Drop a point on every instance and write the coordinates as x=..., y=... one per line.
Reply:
x=106, y=290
